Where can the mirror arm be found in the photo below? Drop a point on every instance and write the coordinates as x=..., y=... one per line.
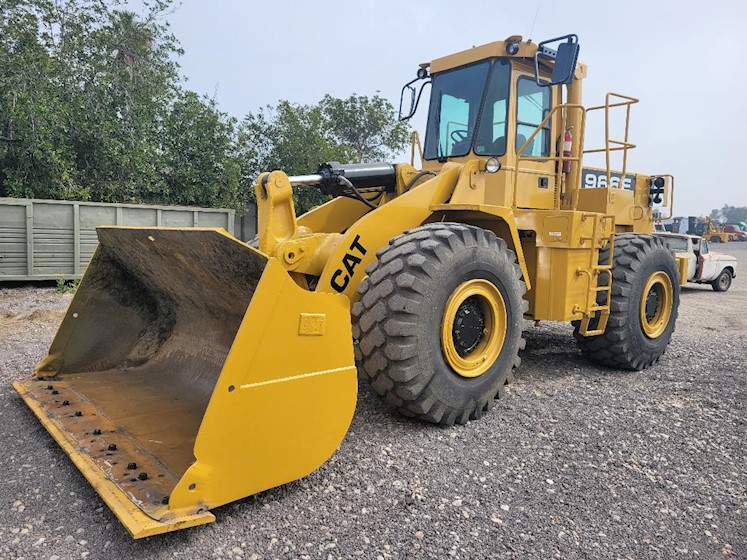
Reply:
x=551, y=54
x=414, y=106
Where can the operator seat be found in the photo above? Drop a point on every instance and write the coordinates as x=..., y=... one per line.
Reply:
x=529, y=150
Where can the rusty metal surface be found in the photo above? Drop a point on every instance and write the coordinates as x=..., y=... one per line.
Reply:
x=138, y=353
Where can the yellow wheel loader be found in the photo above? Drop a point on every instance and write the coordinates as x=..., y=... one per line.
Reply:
x=192, y=369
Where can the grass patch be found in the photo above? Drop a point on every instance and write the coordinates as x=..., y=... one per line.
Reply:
x=66, y=286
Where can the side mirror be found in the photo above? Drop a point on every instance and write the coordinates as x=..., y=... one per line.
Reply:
x=409, y=91
x=565, y=59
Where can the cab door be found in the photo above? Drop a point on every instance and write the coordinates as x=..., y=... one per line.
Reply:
x=535, y=187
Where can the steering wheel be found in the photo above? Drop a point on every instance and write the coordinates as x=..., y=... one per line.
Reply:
x=459, y=135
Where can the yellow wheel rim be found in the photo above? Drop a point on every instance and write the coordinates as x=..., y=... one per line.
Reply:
x=473, y=328
x=656, y=304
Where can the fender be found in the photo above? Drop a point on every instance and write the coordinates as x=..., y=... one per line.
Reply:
x=360, y=244
x=357, y=249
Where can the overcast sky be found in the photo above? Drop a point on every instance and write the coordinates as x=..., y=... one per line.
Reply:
x=684, y=60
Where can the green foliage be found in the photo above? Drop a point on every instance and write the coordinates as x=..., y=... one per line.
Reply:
x=297, y=138
x=66, y=286
x=290, y=137
x=91, y=108
x=367, y=126
x=730, y=214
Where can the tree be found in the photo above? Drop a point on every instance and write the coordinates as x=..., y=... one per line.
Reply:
x=297, y=138
x=91, y=108
x=290, y=137
x=368, y=125
x=730, y=214
x=198, y=141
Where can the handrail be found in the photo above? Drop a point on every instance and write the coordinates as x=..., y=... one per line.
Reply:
x=623, y=145
x=415, y=141
x=559, y=158
x=670, y=205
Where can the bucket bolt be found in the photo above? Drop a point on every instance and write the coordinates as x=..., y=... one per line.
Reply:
x=50, y=387
x=97, y=432
x=143, y=476
x=165, y=500
x=112, y=447
x=65, y=403
x=78, y=413
x=55, y=392
x=131, y=466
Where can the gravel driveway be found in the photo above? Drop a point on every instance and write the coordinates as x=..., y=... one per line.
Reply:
x=576, y=462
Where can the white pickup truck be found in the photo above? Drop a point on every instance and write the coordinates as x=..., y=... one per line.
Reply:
x=705, y=267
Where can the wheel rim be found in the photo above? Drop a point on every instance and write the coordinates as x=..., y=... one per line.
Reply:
x=473, y=328
x=656, y=304
x=724, y=280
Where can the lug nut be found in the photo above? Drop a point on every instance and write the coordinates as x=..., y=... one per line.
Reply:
x=65, y=403
x=131, y=466
x=97, y=432
x=78, y=413
x=112, y=447
x=143, y=476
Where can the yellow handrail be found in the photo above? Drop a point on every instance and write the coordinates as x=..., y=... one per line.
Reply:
x=621, y=145
x=560, y=158
x=670, y=205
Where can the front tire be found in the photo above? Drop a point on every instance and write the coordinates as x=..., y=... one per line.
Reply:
x=643, y=308
x=723, y=282
x=439, y=324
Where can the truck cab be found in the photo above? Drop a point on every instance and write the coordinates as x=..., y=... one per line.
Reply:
x=704, y=265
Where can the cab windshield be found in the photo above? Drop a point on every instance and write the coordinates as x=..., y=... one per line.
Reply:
x=461, y=97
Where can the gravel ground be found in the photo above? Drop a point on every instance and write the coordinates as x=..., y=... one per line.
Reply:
x=577, y=462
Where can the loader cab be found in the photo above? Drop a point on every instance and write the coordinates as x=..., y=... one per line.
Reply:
x=498, y=107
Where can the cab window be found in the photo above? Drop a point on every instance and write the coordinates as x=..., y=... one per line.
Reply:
x=491, y=134
x=455, y=103
x=704, y=247
x=677, y=243
x=533, y=104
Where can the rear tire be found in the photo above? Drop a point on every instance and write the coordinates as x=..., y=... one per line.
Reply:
x=715, y=239
x=723, y=282
x=632, y=339
x=430, y=354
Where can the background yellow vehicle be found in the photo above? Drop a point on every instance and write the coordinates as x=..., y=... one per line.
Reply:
x=192, y=369
x=715, y=232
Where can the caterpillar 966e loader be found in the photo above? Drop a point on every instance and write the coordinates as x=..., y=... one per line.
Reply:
x=193, y=369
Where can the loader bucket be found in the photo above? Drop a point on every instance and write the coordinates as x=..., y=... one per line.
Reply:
x=190, y=371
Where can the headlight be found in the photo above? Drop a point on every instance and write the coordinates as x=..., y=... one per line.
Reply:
x=493, y=165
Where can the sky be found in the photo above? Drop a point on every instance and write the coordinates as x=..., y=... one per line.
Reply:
x=684, y=60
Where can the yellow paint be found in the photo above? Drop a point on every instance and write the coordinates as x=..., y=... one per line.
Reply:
x=270, y=365
x=527, y=49
x=683, y=264
x=137, y=523
x=278, y=401
x=483, y=356
x=374, y=230
x=291, y=404
x=660, y=286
